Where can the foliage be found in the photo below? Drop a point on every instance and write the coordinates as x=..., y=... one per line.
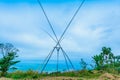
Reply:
x=30, y=74
x=104, y=62
x=107, y=61
x=98, y=61
x=83, y=64
x=106, y=57
x=8, y=54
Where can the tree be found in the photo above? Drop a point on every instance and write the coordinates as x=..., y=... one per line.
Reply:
x=105, y=58
x=117, y=58
x=83, y=64
x=98, y=59
x=7, y=58
x=107, y=55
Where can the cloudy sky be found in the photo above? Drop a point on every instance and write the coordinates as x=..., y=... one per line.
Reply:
x=96, y=25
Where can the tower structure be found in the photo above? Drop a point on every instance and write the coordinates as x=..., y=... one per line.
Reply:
x=58, y=46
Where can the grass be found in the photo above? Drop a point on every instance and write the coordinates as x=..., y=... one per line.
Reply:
x=21, y=74
x=71, y=75
x=77, y=75
x=30, y=74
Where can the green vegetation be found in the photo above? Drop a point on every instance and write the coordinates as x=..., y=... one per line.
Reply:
x=8, y=54
x=21, y=74
x=30, y=74
x=105, y=62
x=83, y=64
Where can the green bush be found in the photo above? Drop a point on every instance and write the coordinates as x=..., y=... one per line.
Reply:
x=20, y=74
x=16, y=74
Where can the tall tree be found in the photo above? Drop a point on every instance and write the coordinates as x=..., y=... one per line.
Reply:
x=83, y=64
x=107, y=55
x=98, y=59
x=117, y=58
x=7, y=58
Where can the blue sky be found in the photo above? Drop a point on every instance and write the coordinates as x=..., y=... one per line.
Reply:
x=96, y=25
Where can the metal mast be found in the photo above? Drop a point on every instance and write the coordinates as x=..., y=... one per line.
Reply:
x=58, y=47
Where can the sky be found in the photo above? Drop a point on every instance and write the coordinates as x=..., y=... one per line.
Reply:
x=97, y=24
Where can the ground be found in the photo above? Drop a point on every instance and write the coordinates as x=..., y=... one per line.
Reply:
x=5, y=78
x=105, y=76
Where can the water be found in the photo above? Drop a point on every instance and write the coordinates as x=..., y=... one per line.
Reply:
x=51, y=66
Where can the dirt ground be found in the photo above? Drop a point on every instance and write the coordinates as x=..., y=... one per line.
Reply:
x=5, y=78
x=65, y=78
x=105, y=76
x=51, y=78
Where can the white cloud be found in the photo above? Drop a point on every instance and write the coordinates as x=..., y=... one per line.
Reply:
x=88, y=32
